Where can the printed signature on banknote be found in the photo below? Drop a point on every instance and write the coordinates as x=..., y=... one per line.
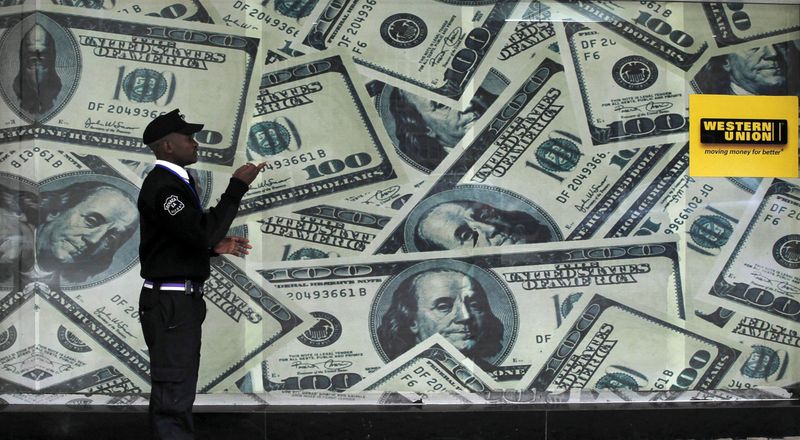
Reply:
x=650, y=106
x=108, y=126
x=783, y=287
x=327, y=365
x=115, y=323
x=270, y=184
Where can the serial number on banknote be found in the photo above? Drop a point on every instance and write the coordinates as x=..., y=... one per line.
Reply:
x=118, y=109
x=36, y=154
x=296, y=159
x=355, y=25
x=272, y=21
x=657, y=8
x=323, y=294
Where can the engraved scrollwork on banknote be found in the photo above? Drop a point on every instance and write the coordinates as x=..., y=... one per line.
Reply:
x=739, y=22
x=71, y=341
x=8, y=338
x=325, y=332
x=432, y=47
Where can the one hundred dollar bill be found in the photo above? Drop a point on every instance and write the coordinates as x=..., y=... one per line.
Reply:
x=672, y=40
x=316, y=232
x=423, y=133
x=434, y=366
x=609, y=345
x=82, y=261
x=739, y=23
x=279, y=21
x=627, y=99
x=312, y=232
x=712, y=210
x=702, y=210
x=245, y=322
x=758, y=276
x=189, y=10
x=525, y=178
x=341, y=147
x=437, y=49
x=372, y=309
x=101, y=79
x=684, y=34
x=531, y=30
x=675, y=203
x=69, y=251
x=770, y=348
x=43, y=351
x=765, y=69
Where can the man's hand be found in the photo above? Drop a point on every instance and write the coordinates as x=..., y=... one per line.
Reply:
x=248, y=172
x=237, y=246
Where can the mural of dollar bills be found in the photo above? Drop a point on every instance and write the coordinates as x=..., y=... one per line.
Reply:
x=464, y=201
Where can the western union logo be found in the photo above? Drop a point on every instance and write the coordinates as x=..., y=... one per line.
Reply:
x=744, y=131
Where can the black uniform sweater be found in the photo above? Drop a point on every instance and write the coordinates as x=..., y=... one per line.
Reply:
x=176, y=235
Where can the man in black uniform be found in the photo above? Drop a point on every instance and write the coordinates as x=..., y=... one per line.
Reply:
x=177, y=241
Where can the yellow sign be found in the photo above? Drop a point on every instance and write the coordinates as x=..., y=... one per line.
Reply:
x=743, y=136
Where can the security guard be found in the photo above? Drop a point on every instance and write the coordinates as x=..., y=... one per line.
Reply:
x=177, y=241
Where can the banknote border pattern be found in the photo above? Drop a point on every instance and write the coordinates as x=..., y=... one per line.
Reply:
x=121, y=143
x=721, y=287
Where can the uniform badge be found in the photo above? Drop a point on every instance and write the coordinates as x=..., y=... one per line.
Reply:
x=173, y=205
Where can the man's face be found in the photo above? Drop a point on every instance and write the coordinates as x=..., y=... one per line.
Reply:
x=448, y=304
x=35, y=53
x=90, y=228
x=445, y=124
x=759, y=70
x=455, y=225
x=184, y=148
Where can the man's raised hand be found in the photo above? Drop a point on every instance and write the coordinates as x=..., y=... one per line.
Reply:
x=248, y=172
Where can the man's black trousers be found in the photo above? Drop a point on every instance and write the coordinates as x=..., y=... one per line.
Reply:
x=171, y=323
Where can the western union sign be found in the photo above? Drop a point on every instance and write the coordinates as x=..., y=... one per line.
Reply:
x=743, y=136
x=743, y=131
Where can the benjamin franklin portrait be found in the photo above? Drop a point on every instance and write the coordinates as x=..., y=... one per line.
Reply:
x=470, y=216
x=87, y=229
x=457, y=300
x=771, y=69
